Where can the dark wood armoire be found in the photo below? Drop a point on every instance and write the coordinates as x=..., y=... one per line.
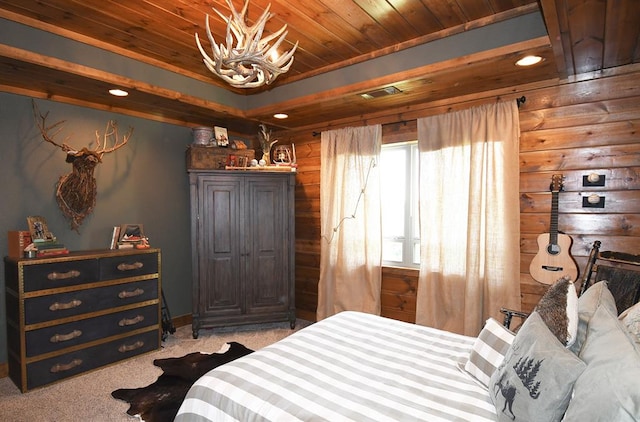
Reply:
x=243, y=238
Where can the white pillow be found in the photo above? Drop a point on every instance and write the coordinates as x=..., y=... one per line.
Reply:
x=630, y=318
x=488, y=351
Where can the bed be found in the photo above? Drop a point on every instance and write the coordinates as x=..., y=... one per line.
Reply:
x=573, y=359
x=351, y=366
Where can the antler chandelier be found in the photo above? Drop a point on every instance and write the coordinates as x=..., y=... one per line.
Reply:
x=247, y=60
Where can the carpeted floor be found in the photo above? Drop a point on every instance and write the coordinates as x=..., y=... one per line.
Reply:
x=88, y=397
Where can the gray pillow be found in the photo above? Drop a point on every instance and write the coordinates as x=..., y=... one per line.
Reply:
x=609, y=389
x=535, y=380
x=594, y=296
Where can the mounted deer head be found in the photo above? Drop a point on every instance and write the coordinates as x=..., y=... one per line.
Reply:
x=76, y=192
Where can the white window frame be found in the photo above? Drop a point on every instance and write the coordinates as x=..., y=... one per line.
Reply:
x=411, y=217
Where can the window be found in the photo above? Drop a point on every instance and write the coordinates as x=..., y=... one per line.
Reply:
x=400, y=218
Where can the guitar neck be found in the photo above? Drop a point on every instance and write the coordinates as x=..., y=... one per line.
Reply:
x=553, y=225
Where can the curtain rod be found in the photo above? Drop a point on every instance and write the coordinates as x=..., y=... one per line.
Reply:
x=519, y=101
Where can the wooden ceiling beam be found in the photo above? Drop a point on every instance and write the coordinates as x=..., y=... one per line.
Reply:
x=552, y=21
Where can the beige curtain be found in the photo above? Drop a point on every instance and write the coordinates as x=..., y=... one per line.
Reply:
x=469, y=217
x=350, y=219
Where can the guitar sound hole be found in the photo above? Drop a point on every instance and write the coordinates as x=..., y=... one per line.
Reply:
x=553, y=249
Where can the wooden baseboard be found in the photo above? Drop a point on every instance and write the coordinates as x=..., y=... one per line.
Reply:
x=182, y=320
x=306, y=315
x=4, y=370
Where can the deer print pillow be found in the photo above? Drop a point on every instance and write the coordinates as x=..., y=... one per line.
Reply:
x=536, y=378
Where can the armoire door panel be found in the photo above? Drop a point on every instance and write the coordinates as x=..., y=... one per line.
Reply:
x=222, y=290
x=267, y=286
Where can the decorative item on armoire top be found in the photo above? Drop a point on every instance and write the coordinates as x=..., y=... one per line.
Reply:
x=237, y=144
x=265, y=143
x=285, y=155
x=222, y=137
x=76, y=191
x=203, y=136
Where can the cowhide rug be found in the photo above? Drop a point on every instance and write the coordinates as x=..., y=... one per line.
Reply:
x=160, y=401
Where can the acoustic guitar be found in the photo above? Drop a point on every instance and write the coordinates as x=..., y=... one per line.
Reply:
x=553, y=259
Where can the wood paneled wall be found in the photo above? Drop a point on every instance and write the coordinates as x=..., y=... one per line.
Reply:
x=574, y=128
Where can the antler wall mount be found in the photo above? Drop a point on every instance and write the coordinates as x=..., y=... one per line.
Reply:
x=247, y=60
x=76, y=192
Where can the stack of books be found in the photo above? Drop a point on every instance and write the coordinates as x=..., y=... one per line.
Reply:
x=49, y=247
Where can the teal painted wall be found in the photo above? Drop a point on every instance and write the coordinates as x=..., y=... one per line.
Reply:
x=143, y=182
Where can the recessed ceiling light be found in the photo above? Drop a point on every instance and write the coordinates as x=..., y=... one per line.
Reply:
x=529, y=60
x=280, y=115
x=118, y=92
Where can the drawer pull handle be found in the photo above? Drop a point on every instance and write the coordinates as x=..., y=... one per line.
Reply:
x=57, y=338
x=62, y=306
x=130, y=321
x=129, y=347
x=124, y=294
x=130, y=267
x=61, y=367
x=63, y=276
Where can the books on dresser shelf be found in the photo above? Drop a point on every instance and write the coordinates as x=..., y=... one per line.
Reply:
x=49, y=247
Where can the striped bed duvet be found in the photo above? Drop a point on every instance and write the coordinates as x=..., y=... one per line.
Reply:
x=349, y=367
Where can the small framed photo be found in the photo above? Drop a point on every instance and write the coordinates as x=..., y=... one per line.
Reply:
x=222, y=138
x=38, y=228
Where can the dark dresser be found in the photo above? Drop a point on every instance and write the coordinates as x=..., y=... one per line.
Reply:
x=71, y=314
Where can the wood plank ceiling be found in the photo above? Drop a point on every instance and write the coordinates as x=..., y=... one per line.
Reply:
x=584, y=36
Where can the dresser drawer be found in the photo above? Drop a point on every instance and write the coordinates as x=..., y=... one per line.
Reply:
x=58, y=337
x=51, y=307
x=59, y=274
x=73, y=363
x=128, y=266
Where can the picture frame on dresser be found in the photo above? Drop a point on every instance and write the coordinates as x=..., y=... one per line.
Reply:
x=38, y=228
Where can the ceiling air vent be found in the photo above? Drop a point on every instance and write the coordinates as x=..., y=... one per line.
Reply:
x=383, y=92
